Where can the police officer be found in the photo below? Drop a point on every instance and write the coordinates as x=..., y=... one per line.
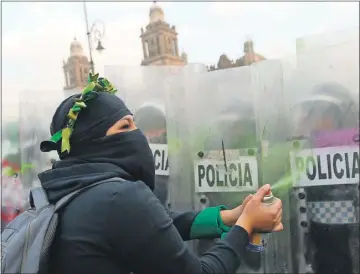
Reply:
x=234, y=128
x=329, y=108
x=150, y=118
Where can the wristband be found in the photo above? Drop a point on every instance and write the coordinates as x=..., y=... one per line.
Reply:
x=208, y=224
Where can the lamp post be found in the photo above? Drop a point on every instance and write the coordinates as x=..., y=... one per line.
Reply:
x=94, y=34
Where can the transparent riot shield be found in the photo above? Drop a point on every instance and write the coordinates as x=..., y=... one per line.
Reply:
x=12, y=192
x=268, y=91
x=151, y=119
x=36, y=112
x=142, y=89
x=213, y=116
x=315, y=159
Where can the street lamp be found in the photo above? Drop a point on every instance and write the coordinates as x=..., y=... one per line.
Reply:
x=100, y=47
x=94, y=34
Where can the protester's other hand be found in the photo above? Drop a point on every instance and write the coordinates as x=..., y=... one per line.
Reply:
x=257, y=216
x=229, y=217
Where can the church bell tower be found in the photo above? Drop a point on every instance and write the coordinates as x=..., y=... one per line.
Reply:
x=76, y=69
x=160, y=42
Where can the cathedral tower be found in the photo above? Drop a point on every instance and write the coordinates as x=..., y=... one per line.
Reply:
x=77, y=67
x=159, y=41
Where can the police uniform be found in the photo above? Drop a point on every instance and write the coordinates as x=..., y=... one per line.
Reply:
x=331, y=209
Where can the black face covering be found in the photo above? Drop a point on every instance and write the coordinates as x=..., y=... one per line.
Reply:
x=128, y=150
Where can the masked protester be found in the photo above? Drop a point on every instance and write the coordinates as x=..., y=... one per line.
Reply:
x=120, y=226
x=331, y=208
x=152, y=121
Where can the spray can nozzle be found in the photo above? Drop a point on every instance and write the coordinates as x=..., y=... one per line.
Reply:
x=268, y=193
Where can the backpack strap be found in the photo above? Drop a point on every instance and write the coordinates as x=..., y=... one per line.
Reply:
x=38, y=198
x=66, y=199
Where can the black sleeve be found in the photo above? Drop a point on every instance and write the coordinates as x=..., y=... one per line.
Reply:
x=144, y=238
x=183, y=222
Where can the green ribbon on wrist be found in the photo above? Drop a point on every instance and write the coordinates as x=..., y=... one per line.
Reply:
x=208, y=224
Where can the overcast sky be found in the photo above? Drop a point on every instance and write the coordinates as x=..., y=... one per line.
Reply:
x=36, y=36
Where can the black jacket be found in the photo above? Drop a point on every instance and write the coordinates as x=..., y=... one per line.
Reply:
x=121, y=227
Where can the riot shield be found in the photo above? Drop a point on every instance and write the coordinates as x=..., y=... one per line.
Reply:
x=142, y=89
x=151, y=119
x=315, y=161
x=268, y=91
x=36, y=112
x=213, y=116
x=12, y=193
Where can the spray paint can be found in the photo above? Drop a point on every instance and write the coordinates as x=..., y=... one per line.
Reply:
x=258, y=240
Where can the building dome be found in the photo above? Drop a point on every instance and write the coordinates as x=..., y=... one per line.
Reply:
x=156, y=13
x=76, y=48
x=184, y=57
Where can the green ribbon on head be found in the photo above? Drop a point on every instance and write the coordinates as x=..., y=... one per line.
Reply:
x=95, y=84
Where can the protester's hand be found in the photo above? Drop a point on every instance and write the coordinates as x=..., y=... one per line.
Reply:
x=229, y=217
x=257, y=216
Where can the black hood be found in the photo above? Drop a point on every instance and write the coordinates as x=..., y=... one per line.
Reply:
x=67, y=176
x=93, y=156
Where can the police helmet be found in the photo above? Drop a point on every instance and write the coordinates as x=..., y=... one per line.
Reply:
x=234, y=122
x=330, y=106
x=151, y=119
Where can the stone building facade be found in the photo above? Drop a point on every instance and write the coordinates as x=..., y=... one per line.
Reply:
x=160, y=48
x=247, y=59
